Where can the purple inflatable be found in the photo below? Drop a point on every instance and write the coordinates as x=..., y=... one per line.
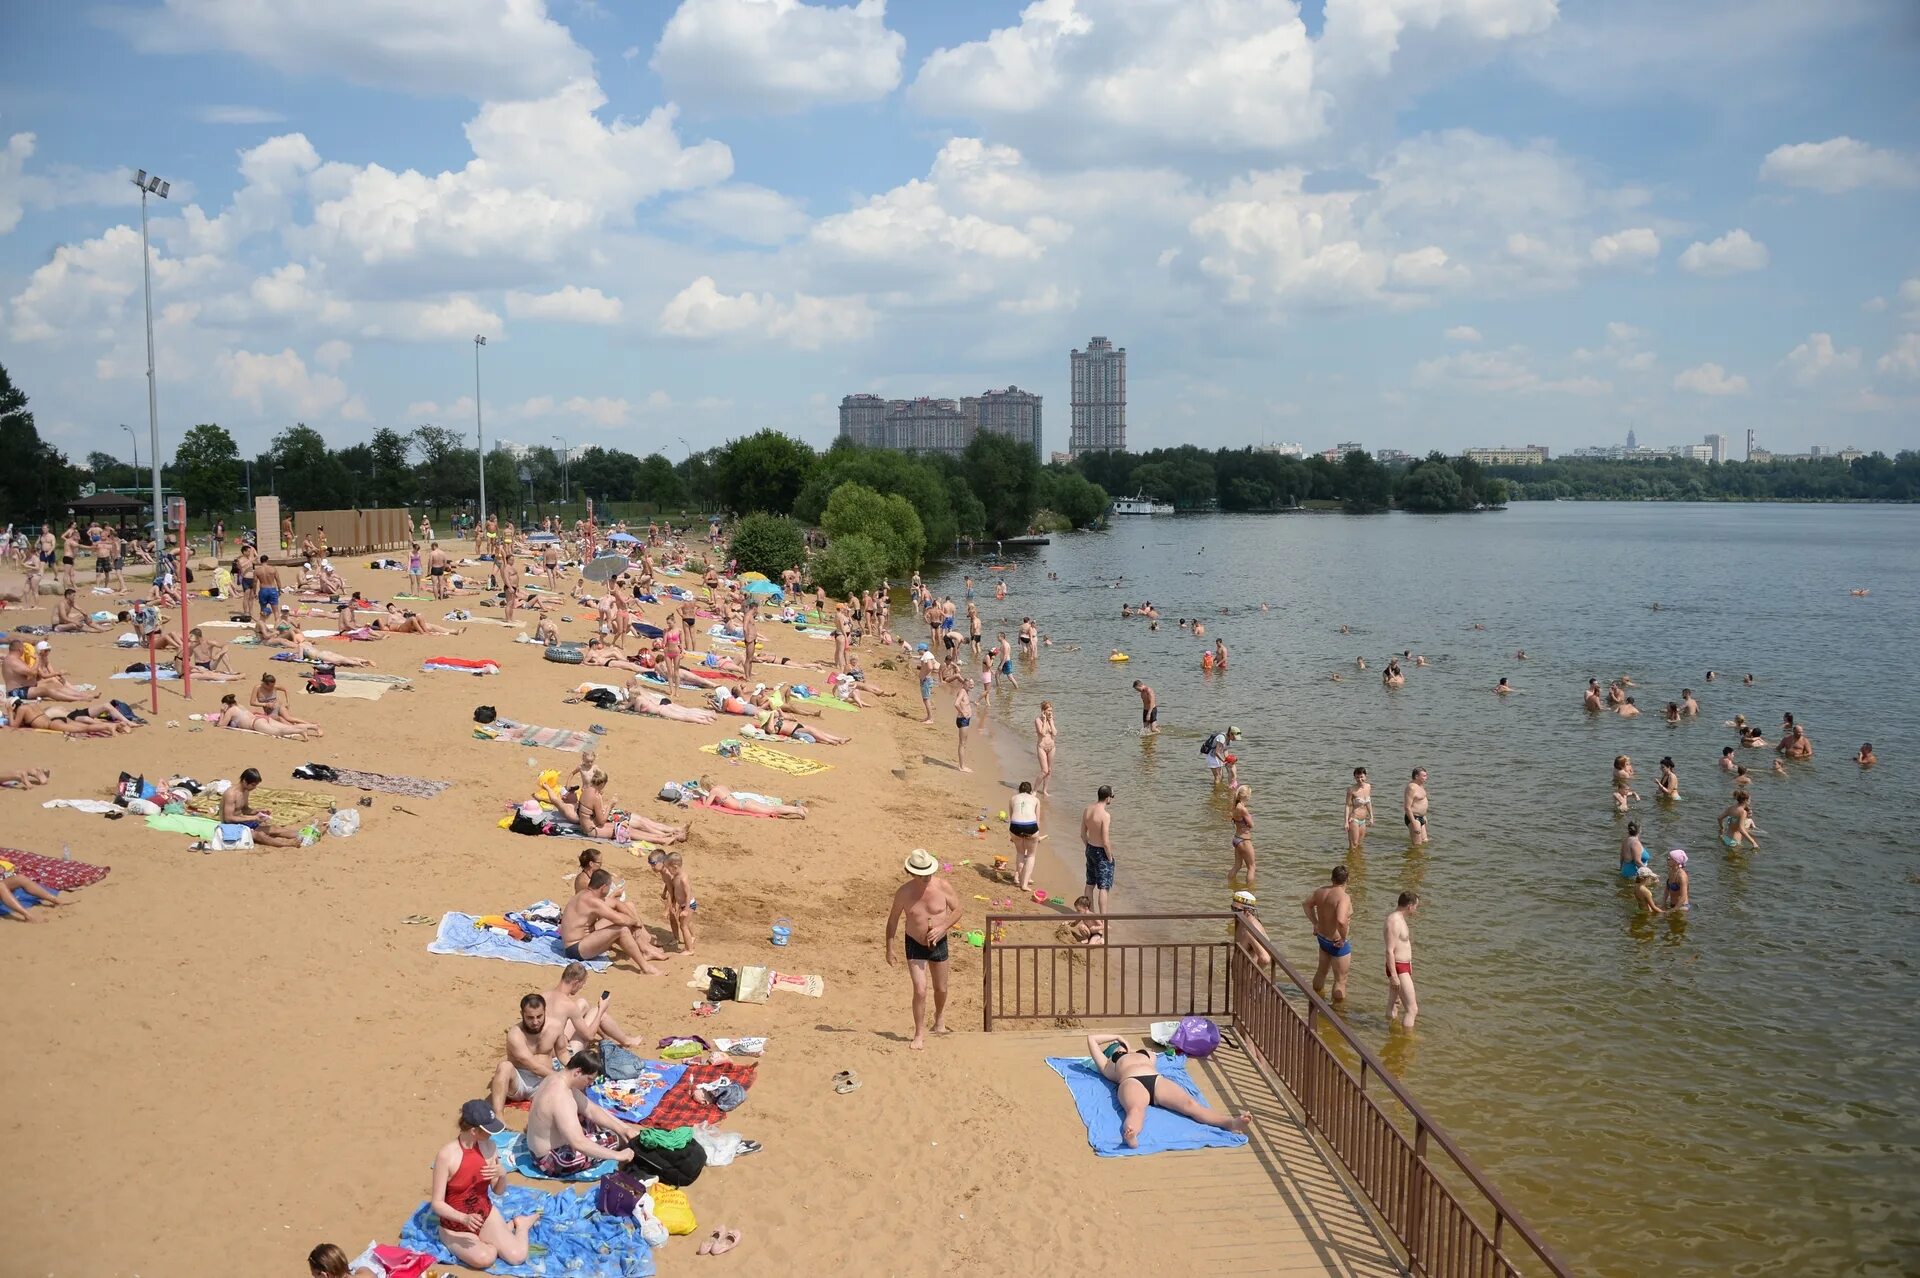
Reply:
x=1196, y=1036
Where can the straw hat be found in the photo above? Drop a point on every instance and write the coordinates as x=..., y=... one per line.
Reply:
x=921, y=863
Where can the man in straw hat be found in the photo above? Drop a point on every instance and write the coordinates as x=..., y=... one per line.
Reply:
x=931, y=907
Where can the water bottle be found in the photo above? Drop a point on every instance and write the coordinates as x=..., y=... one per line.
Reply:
x=66, y=852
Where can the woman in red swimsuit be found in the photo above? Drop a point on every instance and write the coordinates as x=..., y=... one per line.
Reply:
x=464, y=1172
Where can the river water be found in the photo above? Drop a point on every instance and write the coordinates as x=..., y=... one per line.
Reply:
x=1731, y=1091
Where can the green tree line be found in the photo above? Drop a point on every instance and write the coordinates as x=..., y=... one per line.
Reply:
x=1874, y=477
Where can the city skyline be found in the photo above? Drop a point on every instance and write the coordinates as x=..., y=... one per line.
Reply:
x=706, y=218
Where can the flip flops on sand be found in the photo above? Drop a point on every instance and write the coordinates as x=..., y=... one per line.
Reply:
x=846, y=1081
x=719, y=1242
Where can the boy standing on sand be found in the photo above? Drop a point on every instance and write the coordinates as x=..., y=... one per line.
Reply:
x=962, y=720
x=931, y=907
x=677, y=894
x=1399, y=947
x=1096, y=831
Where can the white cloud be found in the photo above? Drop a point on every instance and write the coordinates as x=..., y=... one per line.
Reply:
x=1874, y=305
x=1840, y=164
x=1710, y=379
x=478, y=49
x=1049, y=299
x=1632, y=247
x=1369, y=31
x=280, y=383
x=601, y=410
x=701, y=311
x=571, y=304
x=1224, y=76
x=742, y=211
x=909, y=222
x=1462, y=333
x=1816, y=359
x=1268, y=240
x=1619, y=331
x=1904, y=359
x=1731, y=254
x=777, y=55
x=56, y=185
x=237, y=115
x=1506, y=371
x=332, y=354
x=85, y=291
x=13, y=162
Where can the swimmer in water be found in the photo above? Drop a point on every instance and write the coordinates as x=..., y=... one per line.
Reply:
x=1673, y=712
x=1669, y=779
x=1503, y=688
x=1726, y=759
x=1779, y=768
x=1736, y=823
x=1748, y=681
x=1866, y=757
x=1359, y=810
x=1622, y=768
x=1242, y=818
x=1632, y=854
x=1413, y=807
x=1711, y=676
x=1520, y=654
x=1643, y=884
x=1688, y=706
x=1627, y=710
x=1622, y=792
x=1359, y=663
x=1591, y=700
x=1678, y=887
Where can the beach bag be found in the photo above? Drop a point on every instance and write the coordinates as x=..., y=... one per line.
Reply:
x=485, y=714
x=680, y=1166
x=321, y=680
x=672, y=1209
x=729, y=748
x=723, y=983
x=671, y=792
x=619, y=1193
x=604, y=698
x=567, y=654
x=129, y=788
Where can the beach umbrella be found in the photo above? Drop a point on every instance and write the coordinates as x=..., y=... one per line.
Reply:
x=622, y=537
x=753, y=576
x=763, y=587
x=605, y=568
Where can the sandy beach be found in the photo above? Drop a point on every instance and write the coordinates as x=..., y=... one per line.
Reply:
x=283, y=1056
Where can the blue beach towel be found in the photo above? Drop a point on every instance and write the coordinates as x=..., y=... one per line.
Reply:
x=1099, y=1106
x=511, y=1149
x=458, y=935
x=26, y=902
x=570, y=1240
x=660, y=1076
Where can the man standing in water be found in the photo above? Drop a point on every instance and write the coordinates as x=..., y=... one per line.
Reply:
x=931, y=906
x=1399, y=945
x=962, y=720
x=1330, y=910
x=1413, y=807
x=1149, y=708
x=1096, y=831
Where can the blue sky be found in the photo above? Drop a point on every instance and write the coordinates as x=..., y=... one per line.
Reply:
x=1414, y=223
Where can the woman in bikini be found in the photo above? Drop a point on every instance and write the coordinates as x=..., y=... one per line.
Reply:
x=1359, y=810
x=1132, y=1072
x=720, y=796
x=1242, y=835
x=1669, y=780
x=74, y=720
x=396, y=622
x=601, y=653
x=233, y=715
x=1023, y=831
x=1045, y=737
x=1679, y=888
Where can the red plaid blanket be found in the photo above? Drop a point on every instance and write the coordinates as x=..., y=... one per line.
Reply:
x=680, y=1107
x=55, y=876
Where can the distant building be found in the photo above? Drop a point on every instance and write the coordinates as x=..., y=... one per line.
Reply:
x=1284, y=450
x=1849, y=454
x=1695, y=452
x=1718, y=445
x=1751, y=446
x=1757, y=454
x=930, y=425
x=1059, y=459
x=1099, y=380
x=1530, y=455
x=1632, y=443
x=1339, y=451
x=1012, y=412
x=1392, y=456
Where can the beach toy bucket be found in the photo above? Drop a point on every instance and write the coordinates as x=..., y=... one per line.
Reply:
x=782, y=931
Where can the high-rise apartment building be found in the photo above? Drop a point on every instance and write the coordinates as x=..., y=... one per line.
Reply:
x=1718, y=443
x=1752, y=445
x=1099, y=398
x=929, y=425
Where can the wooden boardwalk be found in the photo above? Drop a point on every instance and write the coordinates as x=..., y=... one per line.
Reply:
x=1276, y=1206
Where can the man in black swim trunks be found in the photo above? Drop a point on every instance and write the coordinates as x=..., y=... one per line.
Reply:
x=931, y=907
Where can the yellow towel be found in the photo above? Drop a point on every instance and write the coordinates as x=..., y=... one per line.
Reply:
x=779, y=760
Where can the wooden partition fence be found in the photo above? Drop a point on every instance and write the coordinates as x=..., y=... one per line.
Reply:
x=356, y=531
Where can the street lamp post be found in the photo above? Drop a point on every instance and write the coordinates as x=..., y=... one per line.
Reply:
x=150, y=185
x=566, y=471
x=136, y=446
x=479, y=432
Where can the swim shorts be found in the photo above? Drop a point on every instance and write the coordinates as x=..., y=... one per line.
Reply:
x=1099, y=868
x=1150, y=716
x=1006, y=667
x=523, y=1084
x=926, y=687
x=269, y=598
x=1410, y=818
x=564, y=1160
x=962, y=721
x=918, y=953
x=1331, y=950
x=1023, y=829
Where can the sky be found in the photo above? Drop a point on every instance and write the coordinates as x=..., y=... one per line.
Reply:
x=1411, y=223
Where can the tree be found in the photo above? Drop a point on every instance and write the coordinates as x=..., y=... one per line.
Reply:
x=392, y=483
x=768, y=544
x=659, y=481
x=918, y=479
x=35, y=480
x=447, y=472
x=1431, y=487
x=1073, y=497
x=764, y=471
x=310, y=477
x=1368, y=486
x=1005, y=476
x=850, y=564
x=206, y=469
x=889, y=521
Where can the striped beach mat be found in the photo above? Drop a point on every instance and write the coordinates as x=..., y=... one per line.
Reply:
x=779, y=760
x=530, y=734
x=362, y=676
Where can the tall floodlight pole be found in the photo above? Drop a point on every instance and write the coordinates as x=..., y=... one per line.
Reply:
x=136, y=446
x=150, y=185
x=566, y=471
x=479, y=432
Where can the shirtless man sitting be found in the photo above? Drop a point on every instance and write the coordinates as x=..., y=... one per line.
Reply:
x=566, y=1132
x=29, y=675
x=69, y=619
x=592, y=925
x=533, y=1050
x=207, y=655
x=584, y=1022
x=236, y=808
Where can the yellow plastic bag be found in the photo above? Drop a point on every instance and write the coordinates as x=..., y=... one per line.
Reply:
x=670, y=1205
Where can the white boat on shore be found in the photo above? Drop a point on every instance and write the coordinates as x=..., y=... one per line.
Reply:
x=1138, y=506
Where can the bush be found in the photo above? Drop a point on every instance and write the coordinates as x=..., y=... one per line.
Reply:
x=890, y=521
x=851, y=563
x=768, y=544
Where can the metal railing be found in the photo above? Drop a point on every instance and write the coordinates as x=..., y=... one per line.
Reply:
x=1447, y=1218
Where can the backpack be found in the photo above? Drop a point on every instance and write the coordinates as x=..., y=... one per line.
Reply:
x=485, y=714
x=604, y=698
x=321, y=680
x=1213, y=739
x=679, y=1167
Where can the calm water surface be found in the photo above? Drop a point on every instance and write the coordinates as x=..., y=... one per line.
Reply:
x=1731, y=1091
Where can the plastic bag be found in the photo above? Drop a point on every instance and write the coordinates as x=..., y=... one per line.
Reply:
x=1195, y=1036
x=344, y=824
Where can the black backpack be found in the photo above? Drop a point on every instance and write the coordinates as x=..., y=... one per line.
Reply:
x=678, y=1167
x=604, y=698
x=485, y=714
